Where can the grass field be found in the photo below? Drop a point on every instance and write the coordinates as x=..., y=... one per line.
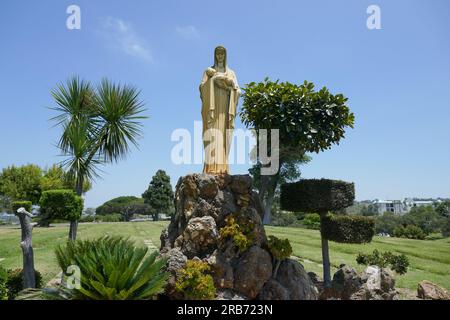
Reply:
x=429, y=260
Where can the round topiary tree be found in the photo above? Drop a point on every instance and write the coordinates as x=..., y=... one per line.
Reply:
x=61, y=204
x=322, y=196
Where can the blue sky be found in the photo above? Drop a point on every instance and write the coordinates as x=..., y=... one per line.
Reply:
x=397, y=80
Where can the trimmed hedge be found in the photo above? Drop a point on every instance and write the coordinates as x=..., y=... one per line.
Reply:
x=61, y=204
x=317, y=195
x=347, y=229
x=15, y=205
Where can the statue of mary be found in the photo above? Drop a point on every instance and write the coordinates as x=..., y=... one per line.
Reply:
x=219, y=91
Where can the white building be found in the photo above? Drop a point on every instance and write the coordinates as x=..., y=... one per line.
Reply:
x=394, y=206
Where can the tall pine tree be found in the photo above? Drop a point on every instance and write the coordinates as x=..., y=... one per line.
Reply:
x=159, y=194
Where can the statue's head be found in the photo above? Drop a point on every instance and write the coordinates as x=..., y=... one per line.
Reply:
x=220, y=56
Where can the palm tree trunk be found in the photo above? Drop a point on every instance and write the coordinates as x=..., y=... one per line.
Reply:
x=74, y=224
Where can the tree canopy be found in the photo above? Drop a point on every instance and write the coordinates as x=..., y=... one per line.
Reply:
x=159, y=194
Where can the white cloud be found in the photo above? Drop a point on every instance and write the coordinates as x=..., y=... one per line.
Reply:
x=120, y=34
x=187, y=32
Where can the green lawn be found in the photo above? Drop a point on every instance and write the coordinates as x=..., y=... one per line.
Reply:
x=430, y=260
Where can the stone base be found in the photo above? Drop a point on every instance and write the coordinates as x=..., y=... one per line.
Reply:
x=202, y=203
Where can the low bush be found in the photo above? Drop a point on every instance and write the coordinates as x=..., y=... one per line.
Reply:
x=195, y=282
x=410, y=232
x=87, y=219
x=117, y=217
x=3, y=284
x=398, y=263
x=15, y=205
x=311, y=221
x=112, y=268
x=347, y=229
x=60, y=204
x=280, y=250
x=15, y=282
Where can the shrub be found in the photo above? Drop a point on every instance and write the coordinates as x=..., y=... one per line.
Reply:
x=61, y=204
x=194, y=282
x=112, y=268
x=446, y=228
x=314, y=195
x=3, y=284
x=15, y=205
x=311, y=221
x=347, y=229
x=87, y=219
x=280, y=250
x=117, y=217
x=15, y=282
x=239, y=229
x=398, y=263
x=410, y=232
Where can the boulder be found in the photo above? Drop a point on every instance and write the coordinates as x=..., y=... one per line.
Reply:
x=346, y=282
x=241, y=184
x=252, y=272
x=221, y=269
x=207, y=186
x=430, y=291
x=273, y=290
x=292, y=276
x=226, y=294
x=199, y=237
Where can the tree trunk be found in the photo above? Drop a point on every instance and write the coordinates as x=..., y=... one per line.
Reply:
x=268, y=210
x=74, y=224
x=269, y=185
x=26, y=244
x=73, y=230
x=325, y=258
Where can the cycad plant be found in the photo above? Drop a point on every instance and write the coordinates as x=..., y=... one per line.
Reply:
x=99, y=125
x=112, y=268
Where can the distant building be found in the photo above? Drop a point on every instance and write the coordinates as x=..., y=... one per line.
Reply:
x=402, y=207
x=394, y=206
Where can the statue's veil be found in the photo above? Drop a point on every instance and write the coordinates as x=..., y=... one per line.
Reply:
x=216, y=63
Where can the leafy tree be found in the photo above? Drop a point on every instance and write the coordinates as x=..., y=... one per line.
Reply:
x=56, y=178
x=307, y=120
x=387, y=222
x=159, y=194
x=98, y=125
x=21, y=183
x=127, y=206
x=446, y=228
x=424, y=217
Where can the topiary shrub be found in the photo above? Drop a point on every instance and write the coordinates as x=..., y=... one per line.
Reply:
x=15, y=282
x=3, y=284
x=15, y=205
x=398, y=263
x=112, y=268
x=317, y=195
x=239, y=229
x=280, y=250
x=195, y=282
x=348, y=229
x=61, y=204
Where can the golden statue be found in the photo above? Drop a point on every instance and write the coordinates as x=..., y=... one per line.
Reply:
x=219, y=92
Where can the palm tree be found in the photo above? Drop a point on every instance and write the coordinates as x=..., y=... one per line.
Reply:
x=99, y=124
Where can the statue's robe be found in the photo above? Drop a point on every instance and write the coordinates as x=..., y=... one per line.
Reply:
x=221, y=103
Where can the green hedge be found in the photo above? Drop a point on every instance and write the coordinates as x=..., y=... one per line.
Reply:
x=347, y=229
x=15, y=205
x=317, y=195
x=61, y=204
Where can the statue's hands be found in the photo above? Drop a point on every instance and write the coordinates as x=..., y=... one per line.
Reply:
x=210, y=72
